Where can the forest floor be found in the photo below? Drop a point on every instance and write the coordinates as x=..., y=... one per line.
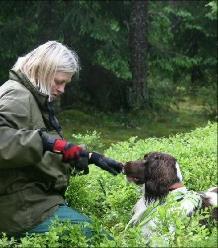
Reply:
x=115, y=127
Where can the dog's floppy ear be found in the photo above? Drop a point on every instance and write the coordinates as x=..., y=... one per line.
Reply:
x=160, y=174
x=155, y=189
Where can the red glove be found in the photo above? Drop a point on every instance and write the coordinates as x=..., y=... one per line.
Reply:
x=69, y=151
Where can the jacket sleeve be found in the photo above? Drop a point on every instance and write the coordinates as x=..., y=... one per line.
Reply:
x=19, y=146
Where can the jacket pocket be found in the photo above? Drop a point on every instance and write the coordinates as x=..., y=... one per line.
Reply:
x=58, y=172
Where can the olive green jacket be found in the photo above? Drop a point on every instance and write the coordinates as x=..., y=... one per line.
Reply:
x=32, y=184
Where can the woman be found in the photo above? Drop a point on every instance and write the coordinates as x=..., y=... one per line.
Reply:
x=35, y=161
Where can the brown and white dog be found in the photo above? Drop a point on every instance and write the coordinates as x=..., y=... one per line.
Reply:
x=159, y=174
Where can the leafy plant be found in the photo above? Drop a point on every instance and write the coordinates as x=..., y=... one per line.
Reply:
x=108, y=200
x=91, y=139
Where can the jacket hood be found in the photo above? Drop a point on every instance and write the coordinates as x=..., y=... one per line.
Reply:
x=41, y=99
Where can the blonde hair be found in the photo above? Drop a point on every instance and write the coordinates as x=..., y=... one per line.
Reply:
x=41, y=64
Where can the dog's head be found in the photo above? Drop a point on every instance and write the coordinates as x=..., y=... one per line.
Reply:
x=157, y=171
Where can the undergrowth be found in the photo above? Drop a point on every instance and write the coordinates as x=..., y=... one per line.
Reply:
x=108, y=200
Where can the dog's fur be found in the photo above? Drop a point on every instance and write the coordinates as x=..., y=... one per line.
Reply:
x=159, y=174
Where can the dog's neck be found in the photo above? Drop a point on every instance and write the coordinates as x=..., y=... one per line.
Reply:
x=149, y=198
x=176, y=186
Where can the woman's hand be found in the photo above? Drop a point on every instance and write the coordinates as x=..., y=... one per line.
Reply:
x=105, y=163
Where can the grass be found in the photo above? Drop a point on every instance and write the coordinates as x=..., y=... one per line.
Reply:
x=115, y=127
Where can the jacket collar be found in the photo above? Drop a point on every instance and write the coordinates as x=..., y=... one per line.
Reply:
x=41, y=99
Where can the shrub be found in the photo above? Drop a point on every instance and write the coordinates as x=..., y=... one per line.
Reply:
x=108, y=200
x=196, y=152
x=91, y=139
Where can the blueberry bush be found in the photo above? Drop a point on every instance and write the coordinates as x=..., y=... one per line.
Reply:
x=108, y=200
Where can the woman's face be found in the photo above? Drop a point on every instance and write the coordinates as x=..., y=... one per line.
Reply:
x=59, y=83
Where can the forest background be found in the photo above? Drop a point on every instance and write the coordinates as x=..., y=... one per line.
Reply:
x=148, y=69
x=135, y=55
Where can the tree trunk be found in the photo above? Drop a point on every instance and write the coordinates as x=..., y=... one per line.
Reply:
x=138, y=95
x=47, y=22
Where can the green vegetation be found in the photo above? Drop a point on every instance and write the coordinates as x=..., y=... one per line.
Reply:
x=108, y=200
x=186, y=115
x=181, y=96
